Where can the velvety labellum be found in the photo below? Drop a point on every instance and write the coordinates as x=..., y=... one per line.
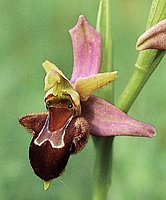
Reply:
x=61, y=134
x=48, y=162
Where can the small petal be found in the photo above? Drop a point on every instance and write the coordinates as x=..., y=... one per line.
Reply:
x=85, y=86
x=87, y=49
x=153, y=38
x=107, y=120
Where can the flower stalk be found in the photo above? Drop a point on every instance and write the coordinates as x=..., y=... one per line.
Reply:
x=147, y=61
x=102, y=167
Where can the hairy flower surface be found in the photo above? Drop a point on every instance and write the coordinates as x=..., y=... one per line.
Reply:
x=72, y=111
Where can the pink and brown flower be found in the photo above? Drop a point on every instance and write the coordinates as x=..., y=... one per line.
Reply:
x=72, y=111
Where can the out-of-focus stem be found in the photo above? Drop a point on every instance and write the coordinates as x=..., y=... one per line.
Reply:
x=104, y=27
x=103, y=146
x=102, y=167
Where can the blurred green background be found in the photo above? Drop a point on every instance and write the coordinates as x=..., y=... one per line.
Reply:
x=35, y=30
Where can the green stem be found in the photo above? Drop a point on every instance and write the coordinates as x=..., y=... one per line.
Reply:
x=103, y=146
x=147, y=61
x=144, y=67
x=102, y=167
x=103, y=26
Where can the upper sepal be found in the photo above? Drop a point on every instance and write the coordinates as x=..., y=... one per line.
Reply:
x=86, y=48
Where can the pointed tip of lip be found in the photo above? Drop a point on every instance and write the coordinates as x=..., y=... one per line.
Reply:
x=47, y=184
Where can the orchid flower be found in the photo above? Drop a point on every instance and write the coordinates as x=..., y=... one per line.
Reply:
x=153, y=38
x=73, y=112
